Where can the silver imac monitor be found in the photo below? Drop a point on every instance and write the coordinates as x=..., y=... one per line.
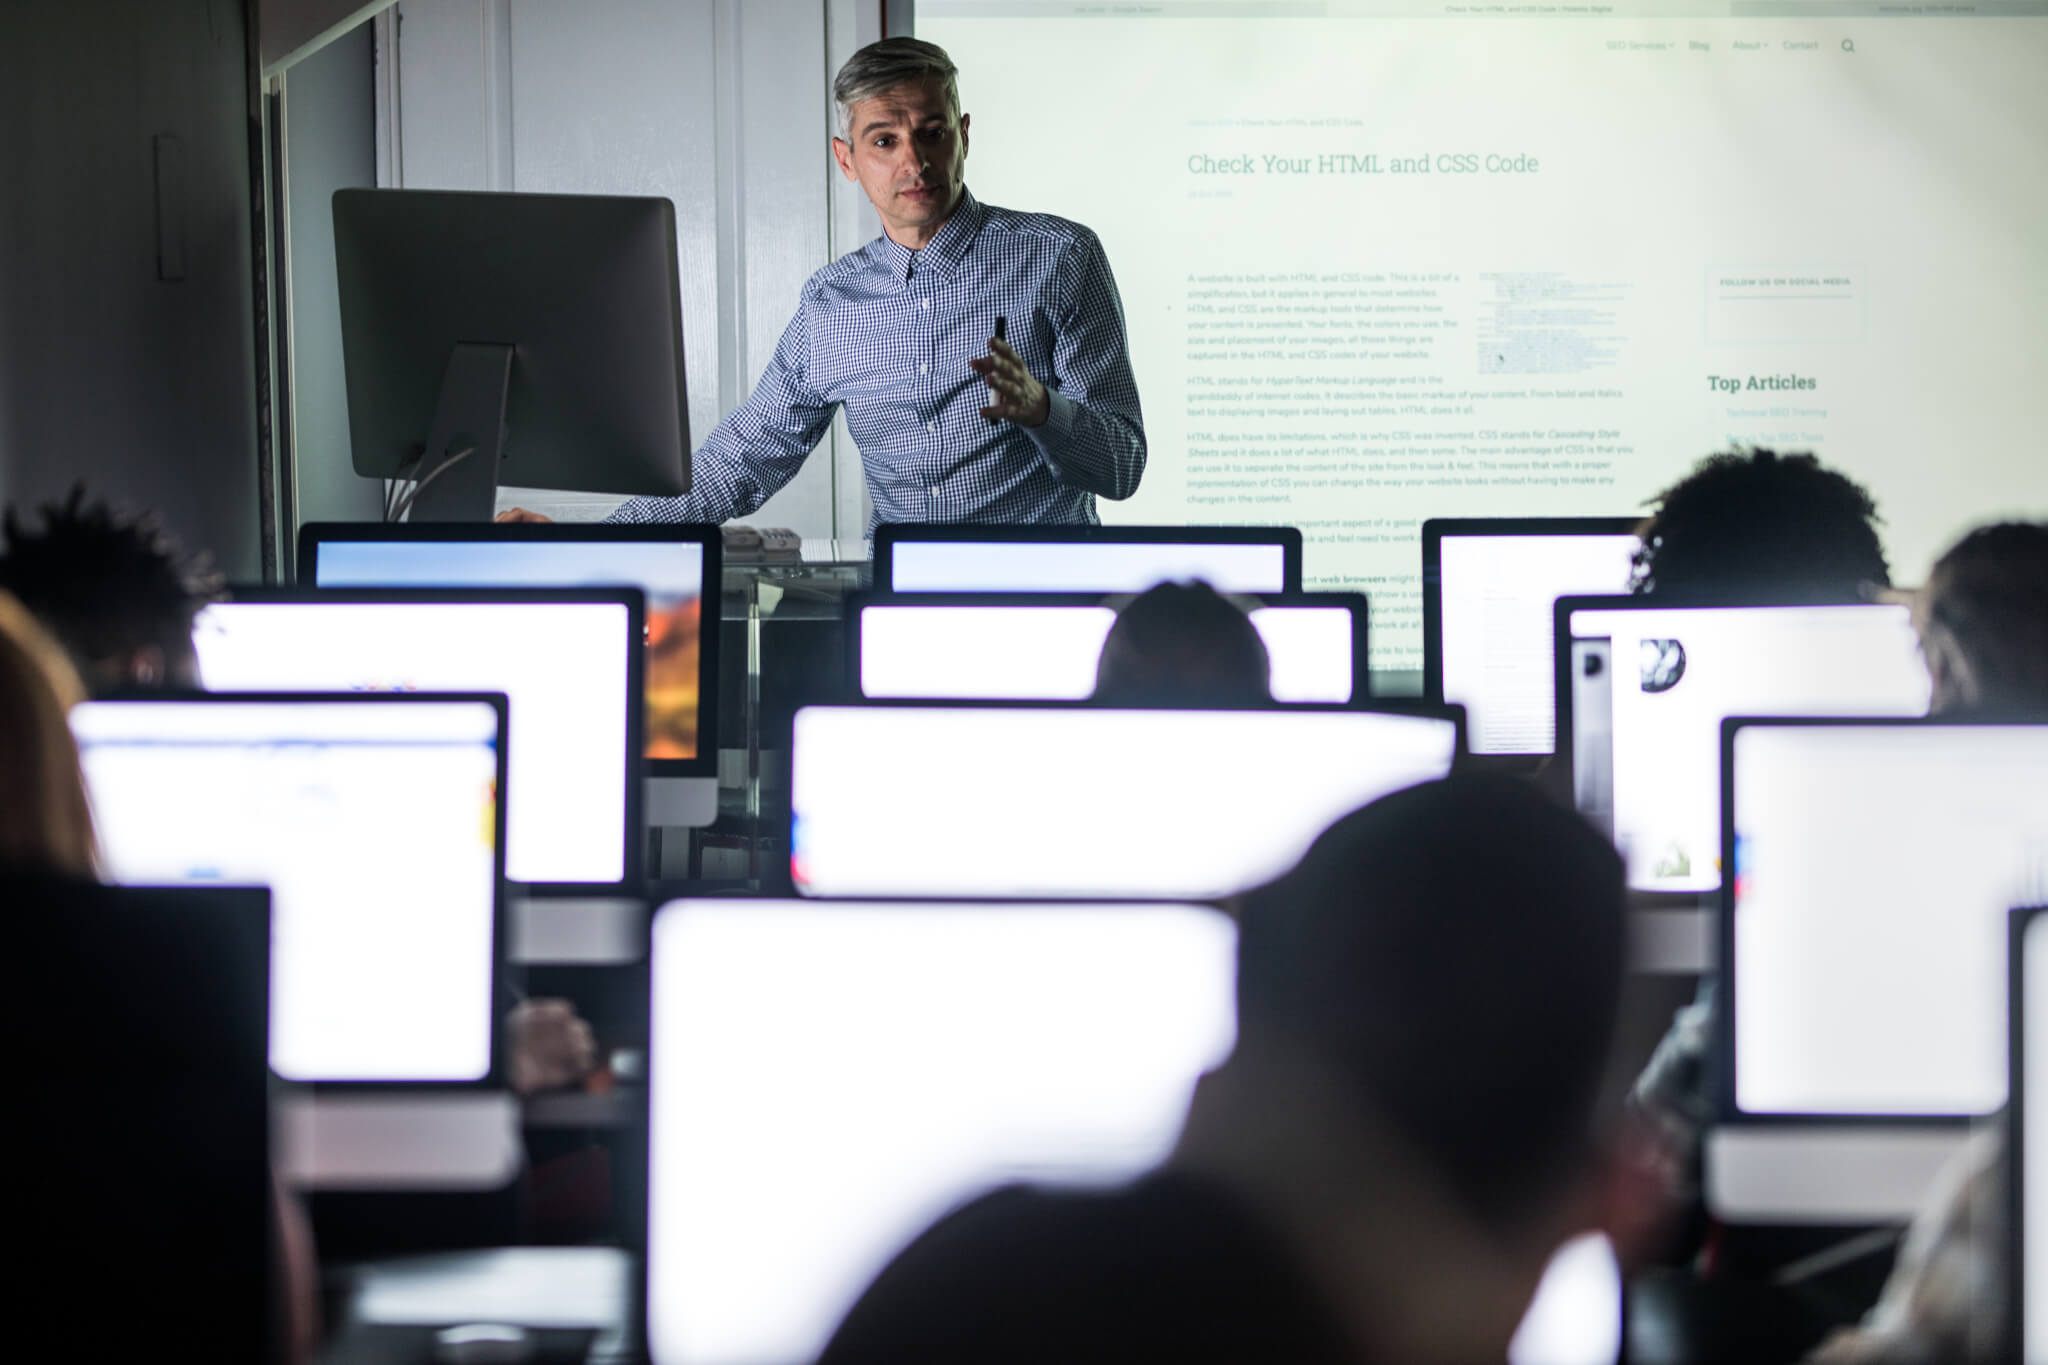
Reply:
x=1044, y=647
x=375, y=821
x=1076, y=801
x=676, y=566
x=1642, y=688
x=568, y=659
x=1488, y=586
x=1863, y=951
x=915, y=557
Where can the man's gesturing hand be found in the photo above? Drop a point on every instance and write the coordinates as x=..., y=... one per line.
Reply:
x=1013, y=392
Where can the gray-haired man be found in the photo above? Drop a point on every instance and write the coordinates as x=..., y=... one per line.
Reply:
x=978, y=352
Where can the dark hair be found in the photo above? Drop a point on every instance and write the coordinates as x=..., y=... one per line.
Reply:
x=1760, y=526
x=1986, y=604
x=106, y=583
x=1183, y=644
x=1456, y=948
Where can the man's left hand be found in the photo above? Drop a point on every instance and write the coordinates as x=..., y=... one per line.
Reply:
x=1015, y=394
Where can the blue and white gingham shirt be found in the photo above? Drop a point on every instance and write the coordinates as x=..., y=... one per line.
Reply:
x=887, y=332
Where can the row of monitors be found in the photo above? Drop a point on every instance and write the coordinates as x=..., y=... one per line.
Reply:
x=1531, y=675
x=1645, y=687
x=1075, y=1036
x=1488, y=585
x=1871, y=856
x=1861, y=942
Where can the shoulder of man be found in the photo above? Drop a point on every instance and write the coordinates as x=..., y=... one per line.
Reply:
x=1047, y=227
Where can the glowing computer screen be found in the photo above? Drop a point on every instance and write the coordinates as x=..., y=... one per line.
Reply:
x=1575, y=1317
x=1259, y=562
x=1077, y=801
x=375, y=824
x=1032, y=651
x=669, y=570
x=567, y=662
x=1650, y=687
x=2030, y=1166
x=1494, y=624
x=829, y=1079
x=1874, y=869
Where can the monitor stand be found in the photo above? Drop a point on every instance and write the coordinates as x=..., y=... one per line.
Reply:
x=681, y=801
x=431, y=1139
x=470, y=416
x=1857, y=1171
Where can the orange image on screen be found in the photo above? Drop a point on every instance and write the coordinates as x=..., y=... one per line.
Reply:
x=674, y=640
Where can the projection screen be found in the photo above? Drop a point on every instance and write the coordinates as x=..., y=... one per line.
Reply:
x=1382, y=262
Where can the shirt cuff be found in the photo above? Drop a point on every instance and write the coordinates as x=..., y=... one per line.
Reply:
x=1052, y=435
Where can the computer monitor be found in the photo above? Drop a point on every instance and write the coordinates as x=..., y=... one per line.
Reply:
x=1863, y=943
x=2026, y=1136
x=1642, y=688
x=921, y=1054
x=567, y=658
x=918, y=557
x=1575, y=1317
x=1073, y=1037
x=542, y=332
x=373, y=819
x=1488, y=586
x=142, y=1136
x=1045, y=646
x=967, y=799
x=676, y=566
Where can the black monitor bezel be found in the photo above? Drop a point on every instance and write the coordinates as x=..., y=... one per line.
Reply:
x=1721, y=1057
x=314, y=534
x=494, y=1078
x=857, y=603
x=1436, y=529
x=634, y=835
x=891, y=534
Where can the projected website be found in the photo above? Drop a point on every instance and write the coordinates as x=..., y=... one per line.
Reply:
x=1381, y=263
x=1072, y=1039
x=562, y=667
x=375, y=834
x=671, y=574
x=1875, y=871
x=1677, y=674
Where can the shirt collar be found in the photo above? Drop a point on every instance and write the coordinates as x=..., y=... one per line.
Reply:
x=947, y=248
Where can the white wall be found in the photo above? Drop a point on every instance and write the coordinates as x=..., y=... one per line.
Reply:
x=722, y=106
x=330, y=143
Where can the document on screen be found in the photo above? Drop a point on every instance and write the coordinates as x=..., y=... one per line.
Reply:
x=1382, y=262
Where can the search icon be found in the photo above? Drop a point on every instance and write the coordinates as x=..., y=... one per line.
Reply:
x=1848, y=45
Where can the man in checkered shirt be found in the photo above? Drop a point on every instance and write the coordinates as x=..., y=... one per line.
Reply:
x=954, y=422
